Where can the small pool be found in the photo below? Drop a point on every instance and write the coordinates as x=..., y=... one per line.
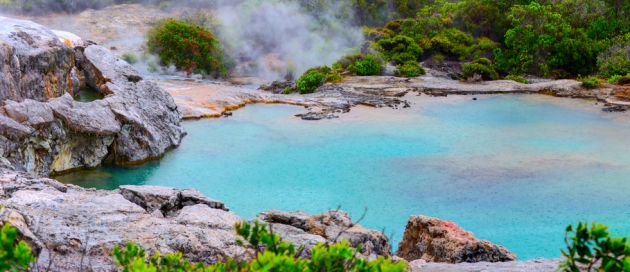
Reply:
x=514, y=169
x=87, y=94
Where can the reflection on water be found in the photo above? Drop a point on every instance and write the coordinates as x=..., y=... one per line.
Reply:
x=513, y=169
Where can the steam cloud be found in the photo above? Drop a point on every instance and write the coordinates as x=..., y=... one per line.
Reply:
x=265, y=38
x=271, y=39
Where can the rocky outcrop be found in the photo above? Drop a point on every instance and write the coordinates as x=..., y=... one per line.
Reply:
x=43, y=130
x=70, y=226
x=68, y=223
x=435, y=240
x=198, y=99
x=34, y=63
x=334, y=226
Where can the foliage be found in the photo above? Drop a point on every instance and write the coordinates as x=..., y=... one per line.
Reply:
x=189, y=47
x=400, y=49
x=313, y=78
x=368, y=65
x=615, y=60
x=271, y=253
x=130, y=58
x=14, y=255
x=517, y=78
x=482, y=67
x=592, y=247
x=409, y=69
x=541, y=40
x=590, y=82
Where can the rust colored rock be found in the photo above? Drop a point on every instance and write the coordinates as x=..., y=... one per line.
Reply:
x=435, y=240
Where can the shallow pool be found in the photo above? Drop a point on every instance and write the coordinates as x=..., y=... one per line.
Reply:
x=513, y=169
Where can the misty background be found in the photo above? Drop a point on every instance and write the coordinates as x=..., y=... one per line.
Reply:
x=270, y=39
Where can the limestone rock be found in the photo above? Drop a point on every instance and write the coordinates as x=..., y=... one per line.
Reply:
x=42, y=128
x=167, y=200
x=435, y=240
x=331, y=227
x=34, y=64
x=68, y=220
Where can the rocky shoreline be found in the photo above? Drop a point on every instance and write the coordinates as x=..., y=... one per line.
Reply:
x=43, y=130
x=199, y=99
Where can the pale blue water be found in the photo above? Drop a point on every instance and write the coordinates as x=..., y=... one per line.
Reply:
x=515, y=170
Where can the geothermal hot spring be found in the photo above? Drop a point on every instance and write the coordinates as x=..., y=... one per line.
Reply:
x=514, y=169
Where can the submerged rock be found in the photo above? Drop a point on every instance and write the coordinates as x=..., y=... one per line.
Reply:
x=435, y=240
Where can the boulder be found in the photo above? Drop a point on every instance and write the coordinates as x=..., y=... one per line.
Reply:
x=434, y=240
x=34, y=63
x=167, y=200
x=43, y=130
x=334, y=226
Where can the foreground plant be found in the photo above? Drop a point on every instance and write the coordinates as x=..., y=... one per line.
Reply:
x=14, y=255
x=268, y=253
x=592, y=249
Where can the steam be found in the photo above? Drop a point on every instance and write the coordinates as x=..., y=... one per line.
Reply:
x=270, y=39
x=273, y=39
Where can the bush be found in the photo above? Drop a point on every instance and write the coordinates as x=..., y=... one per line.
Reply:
x=14, y=255
x=614, y=79
x=592, y=247
x=367, y=66
x=130, y=58
x=189, y=47
x=400, y=49
x=590, y=82
x=517, y=78
x=312, y=79
x=409, y=69
x=482, y=67
x=271, y=254
x=616, y=59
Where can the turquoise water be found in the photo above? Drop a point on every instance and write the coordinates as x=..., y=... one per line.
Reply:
x=513, y=169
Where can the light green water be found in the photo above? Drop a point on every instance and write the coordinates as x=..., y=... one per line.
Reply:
x=515, y=170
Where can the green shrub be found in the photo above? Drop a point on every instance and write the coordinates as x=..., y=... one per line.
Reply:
x=14, y=255
x=616, y=59
x=614, y=79
x=517, y=78
x=409, y=69
x=287, y=90
x=592, y=247
x=189, y=47
x=369, y=65
x=482, y=67
x=345, y=61
x=400, y=49
x=590, y=82
x=312, y=79
x=271, y=254
x=130, y=58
